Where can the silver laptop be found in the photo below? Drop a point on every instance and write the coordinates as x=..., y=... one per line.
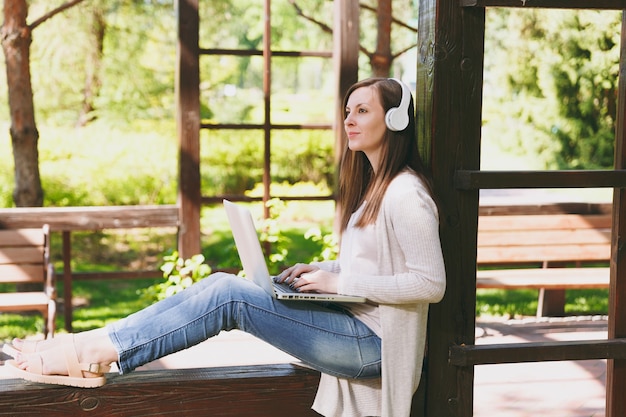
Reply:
x=251, y=255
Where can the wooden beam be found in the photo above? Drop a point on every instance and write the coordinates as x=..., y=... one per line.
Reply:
x=188, y=124
x=551, y=4
x=469, y=355
x=449, y=108
x=345, y=61
x=90, y=218
x=616, y=368
x=472, y=180
x=259, y=390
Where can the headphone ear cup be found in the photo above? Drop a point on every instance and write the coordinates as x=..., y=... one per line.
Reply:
x=397, y=118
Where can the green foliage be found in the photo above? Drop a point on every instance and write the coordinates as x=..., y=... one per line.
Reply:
x=179, y=274
x=232, y=162
x=275, y=242
x=329, y=242
x=555, y=98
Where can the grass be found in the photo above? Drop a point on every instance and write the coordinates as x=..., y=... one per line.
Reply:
x=101, y=302
x=519, y=303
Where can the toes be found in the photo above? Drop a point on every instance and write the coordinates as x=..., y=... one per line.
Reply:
x=18, y=343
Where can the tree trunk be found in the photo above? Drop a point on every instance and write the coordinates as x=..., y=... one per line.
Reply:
x=93, y=66
x=16, y=40
x=382, y=58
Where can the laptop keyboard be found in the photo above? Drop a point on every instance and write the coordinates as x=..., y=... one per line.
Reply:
x=283, y=287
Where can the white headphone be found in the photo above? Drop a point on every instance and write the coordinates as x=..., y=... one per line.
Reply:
x=397, y=118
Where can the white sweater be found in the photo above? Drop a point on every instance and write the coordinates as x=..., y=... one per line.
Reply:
x=410, y=275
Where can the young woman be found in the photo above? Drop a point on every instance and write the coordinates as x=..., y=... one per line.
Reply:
x=370, y=355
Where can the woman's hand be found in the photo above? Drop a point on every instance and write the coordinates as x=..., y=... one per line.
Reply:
x=309, y=278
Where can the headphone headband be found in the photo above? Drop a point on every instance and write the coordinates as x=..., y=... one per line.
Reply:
x=397, y=118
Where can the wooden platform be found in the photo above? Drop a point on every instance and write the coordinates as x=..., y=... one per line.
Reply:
x=256, y=390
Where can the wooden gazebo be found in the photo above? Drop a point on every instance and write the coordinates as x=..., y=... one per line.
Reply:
x=449, y=88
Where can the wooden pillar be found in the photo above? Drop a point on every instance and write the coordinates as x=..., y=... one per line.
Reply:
x=616, y=368
x=68, y=309
x=449, y=108
x=345, y=60
x=346, y=70
x=188, y=124
x=267, y=107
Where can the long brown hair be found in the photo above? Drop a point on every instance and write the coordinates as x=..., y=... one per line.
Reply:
x=357, y=178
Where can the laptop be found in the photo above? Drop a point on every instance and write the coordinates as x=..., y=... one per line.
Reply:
x=251, y=255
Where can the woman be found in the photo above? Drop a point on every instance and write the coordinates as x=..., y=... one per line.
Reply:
x=370, y=355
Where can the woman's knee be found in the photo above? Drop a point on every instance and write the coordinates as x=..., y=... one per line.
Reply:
x=230, y=284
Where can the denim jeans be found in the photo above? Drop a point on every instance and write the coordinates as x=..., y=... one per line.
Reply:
x=321, y=335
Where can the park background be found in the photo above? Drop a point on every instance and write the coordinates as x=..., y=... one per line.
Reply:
x=552, y=106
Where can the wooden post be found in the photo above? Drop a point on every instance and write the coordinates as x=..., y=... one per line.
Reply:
x=345, y=59
x=449, y=107
x=616, y=368
x=67, y=280
x=346, y=69
x=188, y=120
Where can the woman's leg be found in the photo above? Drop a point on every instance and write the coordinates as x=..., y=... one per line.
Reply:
x=327, y=339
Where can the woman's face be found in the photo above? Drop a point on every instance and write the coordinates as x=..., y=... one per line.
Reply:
x=365, y=123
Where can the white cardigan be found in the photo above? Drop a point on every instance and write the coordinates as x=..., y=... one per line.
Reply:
x=410, y=275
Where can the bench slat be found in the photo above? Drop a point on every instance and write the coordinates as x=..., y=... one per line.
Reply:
x=22, y=237
x=523, y=238
x=548, y=278
x=512, y=254
x=19, y=255
x=547, y=221
x=22, y=273
x=23, y=301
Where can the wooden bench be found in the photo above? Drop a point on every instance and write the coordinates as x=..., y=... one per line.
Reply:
x=25, y=262
x=549, y=252
x=282, y=390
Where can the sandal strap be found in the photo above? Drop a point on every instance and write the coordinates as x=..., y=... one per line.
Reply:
x=75, y=368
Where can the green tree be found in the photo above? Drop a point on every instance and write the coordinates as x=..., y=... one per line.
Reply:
x=16, y=36
x=551, y=85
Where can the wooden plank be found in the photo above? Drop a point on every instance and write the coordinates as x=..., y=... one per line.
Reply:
x=21, y=255
x=24, y=301
x=22, y=237
x=545, y=208
x=503, y=255
x=537, y=352
x=544, y=222
x=546, y=238
x=22, y=273
x=474, y=180
x=90, y=218
x=549, y=278
x=261, y=390
x=552, y=4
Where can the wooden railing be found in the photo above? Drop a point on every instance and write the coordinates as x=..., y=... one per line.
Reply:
x=71, y=219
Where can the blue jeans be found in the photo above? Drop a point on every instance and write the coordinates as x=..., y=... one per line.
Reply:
x=323, y=336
